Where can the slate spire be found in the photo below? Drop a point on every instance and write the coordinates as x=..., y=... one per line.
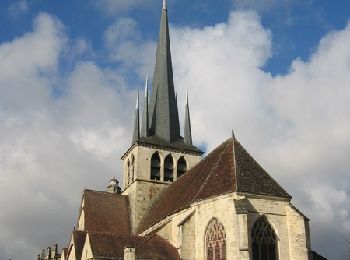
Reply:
x=163, y=113
x=136, y=133
x=187, y=125
x=145, y=122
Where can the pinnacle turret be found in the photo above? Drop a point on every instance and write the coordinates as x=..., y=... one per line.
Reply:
x=136, y=133
x=145, y=122
x=187, y=125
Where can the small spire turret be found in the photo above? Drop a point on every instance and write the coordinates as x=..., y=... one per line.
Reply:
x=136, y=133
x=187, y=126
x=145, y=122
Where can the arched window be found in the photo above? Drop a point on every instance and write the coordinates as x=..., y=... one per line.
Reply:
x=168, y=168
x=132, y=168
x=215, y=241
x=155, y=167
x=181, y=166
x=128, y=171
x=264, y=242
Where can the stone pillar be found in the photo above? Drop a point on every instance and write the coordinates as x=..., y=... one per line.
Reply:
x=129, y=253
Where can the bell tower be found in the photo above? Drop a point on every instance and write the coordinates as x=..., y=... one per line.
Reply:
x=158, y=155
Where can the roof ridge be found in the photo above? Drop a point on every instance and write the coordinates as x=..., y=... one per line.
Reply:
x=211, y=172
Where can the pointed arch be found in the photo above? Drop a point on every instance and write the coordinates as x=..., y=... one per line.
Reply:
x=168, y=168
x=132, y=173
x=155, y=167
x=264, y=240
x=128, y=172
x=181, y=166
x=215, y=240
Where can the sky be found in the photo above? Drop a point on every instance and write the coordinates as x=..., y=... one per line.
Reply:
x=277, y=72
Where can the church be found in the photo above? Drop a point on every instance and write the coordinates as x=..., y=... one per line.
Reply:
x=175, y=204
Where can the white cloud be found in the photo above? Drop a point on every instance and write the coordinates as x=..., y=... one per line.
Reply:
x=18, y=8
x=112, y=7
x=52, y=146
x=125, y=45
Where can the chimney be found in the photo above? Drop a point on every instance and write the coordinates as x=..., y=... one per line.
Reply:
x=129, y=253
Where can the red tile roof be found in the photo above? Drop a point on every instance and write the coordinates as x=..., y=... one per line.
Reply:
x=106, y=212
x=228, y=168
x=79, y=238
x=149, y=247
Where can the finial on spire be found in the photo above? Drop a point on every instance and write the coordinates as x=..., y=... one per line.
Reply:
x=164, y=5
x=233, y=135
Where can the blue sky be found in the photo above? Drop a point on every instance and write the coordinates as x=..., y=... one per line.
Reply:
x=277, y=72
x=296, y=26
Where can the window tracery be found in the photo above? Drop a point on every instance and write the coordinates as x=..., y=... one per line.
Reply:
x=215, y=240
x=264, y=242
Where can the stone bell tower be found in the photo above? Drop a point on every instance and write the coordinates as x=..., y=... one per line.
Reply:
x=158, y=154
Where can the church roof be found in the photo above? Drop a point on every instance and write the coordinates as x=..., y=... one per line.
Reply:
x=148, y=247
x=106, y=212
x=228, y=168
x=79, y=238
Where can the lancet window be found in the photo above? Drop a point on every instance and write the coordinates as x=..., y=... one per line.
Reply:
x=155, y=167
x=264, y=242
x=132, y=168
x=181, y=166
x=128, y=171
x=215, y=241
x=168, y=168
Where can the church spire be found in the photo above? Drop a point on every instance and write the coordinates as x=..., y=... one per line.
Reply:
x=187, y=125
x=136, y=133
x=163, y=114
x=145, y=124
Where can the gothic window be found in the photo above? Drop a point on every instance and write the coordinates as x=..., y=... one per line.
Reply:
x=168, y=168
x=155, y=167
x=128, y=171
x=264, y=242
x=181, y=166
x=132, y=168
x=215, y=241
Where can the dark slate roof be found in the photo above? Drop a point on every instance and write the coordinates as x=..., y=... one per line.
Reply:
x=106, y=212
x=178, y=144
x=228, y=168
x=79, y=238
x=149, y=247
x=163, y=113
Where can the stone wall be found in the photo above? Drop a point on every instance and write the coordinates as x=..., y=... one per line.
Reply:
x=186, y=229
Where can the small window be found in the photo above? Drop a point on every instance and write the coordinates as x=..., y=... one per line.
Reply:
x=128, y=171
x=168, y=168
x=264, y=242
x=181, y=167
x=132, y=168
x=155, y=167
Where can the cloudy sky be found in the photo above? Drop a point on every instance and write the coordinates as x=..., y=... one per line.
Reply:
x=277, y=72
